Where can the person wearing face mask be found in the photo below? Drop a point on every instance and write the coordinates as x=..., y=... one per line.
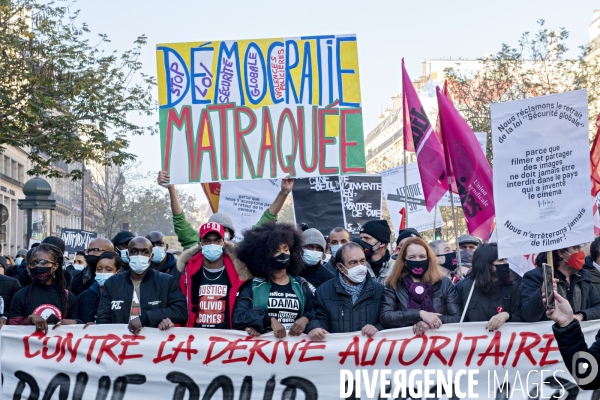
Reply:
x=374, y=237
x=188, y=237
x=277, y=299
x=47, y=300
x=76, y=266
x=161, y=260
x=211, y=276
x=351, y=301
x=19, y=259
x=574, y=284
x=446, y=259
x=416, y=293
x=494, y=295
x=85, y=279
x=312, y=255
x=87, y=302
x=120, y=242
x=141, y=297
x=337, y=238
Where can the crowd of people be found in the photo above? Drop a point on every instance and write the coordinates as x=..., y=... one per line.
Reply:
x=280, y=278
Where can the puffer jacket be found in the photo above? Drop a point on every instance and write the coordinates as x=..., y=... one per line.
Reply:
x=190, y=263
x=335, y=312
x=395, y=314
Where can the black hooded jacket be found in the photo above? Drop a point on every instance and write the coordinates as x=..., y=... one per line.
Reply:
x=170, y=267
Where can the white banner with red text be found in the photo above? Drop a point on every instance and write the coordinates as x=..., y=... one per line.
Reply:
x=107, y=362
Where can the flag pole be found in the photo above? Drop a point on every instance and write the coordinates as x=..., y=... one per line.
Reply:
x=405, y=192
x=460, y=274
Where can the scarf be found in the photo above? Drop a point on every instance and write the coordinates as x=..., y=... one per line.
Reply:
x=419, y=295
x=377, y=266
x=353, y=291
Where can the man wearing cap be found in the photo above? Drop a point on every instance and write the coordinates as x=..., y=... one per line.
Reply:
x=188, y=236
x=313, y=247
x=468, y=242
x=337, y=238
x=120, y=241
x=374, y=237
x=211, y=276
x=161, y=260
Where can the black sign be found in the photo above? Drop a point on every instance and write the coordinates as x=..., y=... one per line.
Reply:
x=76, y=239
x=317, y=203
x=361, y=199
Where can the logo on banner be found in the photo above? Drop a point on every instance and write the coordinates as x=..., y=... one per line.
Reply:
x=588, y=367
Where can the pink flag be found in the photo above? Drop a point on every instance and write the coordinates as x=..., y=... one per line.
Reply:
x=471, y=169
x=420, y=137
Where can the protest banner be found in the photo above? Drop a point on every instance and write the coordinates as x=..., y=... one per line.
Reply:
x=257, y=109
x=246, y=201
x=542, y=173
x=318, y=203
x=393, y=191
x=361, y=200
x=76, y=239
x=212, y=192
x=515, y=362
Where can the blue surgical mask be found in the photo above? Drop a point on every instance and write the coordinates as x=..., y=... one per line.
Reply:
x=18, y=261
x=78, y=267
x=212, y=252
x=101, y=277
x=334, y=249
x=312, y=257
x=139, y=264
x=158, y=254
x=124, y=256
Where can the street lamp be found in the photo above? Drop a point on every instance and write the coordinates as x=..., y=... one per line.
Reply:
x=37, y=197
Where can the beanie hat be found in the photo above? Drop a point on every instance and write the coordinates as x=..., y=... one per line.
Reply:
x=379, y=229
x=22, y=253
x=56, y=241
x=406, y=233
x=222, y=219
x=313, y=236
x=122, y=237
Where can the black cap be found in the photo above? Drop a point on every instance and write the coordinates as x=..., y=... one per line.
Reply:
x=406, y=233
x=122, y=237
x=56, y=241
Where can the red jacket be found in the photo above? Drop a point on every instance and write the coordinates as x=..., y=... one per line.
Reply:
x=191, y=262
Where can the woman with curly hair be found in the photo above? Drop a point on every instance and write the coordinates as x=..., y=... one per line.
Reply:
x=46, y=300
x=277, y=299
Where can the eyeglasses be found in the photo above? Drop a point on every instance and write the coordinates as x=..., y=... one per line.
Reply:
x=42, y=263
x=206, y=242
x=94, y=251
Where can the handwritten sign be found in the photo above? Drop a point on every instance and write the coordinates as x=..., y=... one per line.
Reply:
x=76, y=239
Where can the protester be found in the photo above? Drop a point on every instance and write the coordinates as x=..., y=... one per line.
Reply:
x=22, y=274
x=19, y=259
x=417, y=293
x=188, y=236
x=313, y=255
x=85, y=279
x=351, y=301
x=143, y=297
x=446, y=259
x=77, y=266
x=58, y=242
x=374, y=237
x=337, y=238
x=468, y=242
x=490, y=293
x=211, y=276
x=574, y=284
x=404, y=235
x=161, y=260
x=8, y=288
x=277, y=298
x=592, y=264
x=466, y=261
x=108, y=265
x=571, y=343
x=47, y=299
x=120, y=242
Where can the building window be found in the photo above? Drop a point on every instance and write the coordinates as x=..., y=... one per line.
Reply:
x=14, y=169
x=6, y=166
x=21, y=177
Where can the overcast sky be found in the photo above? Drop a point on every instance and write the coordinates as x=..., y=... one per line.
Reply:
x=386, y=32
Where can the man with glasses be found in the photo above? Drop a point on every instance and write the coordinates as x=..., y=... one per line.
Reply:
x=161, y=260
x=211, y=276
x=86, y=278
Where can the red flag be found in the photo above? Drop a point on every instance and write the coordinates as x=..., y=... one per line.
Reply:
x=419, y=134
x=403, y=219
x=471, y=169
x=595, y=160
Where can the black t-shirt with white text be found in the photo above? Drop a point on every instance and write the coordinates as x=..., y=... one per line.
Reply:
x=284, y=304
x=210, y=289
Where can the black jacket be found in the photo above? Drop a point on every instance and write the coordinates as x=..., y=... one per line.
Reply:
x=83, y=280
x=170, y=267
x=23, y=275
x=395, y=314
x=8, y=288
x=316, y=275
x=330, y=266
x=594, y=273
x=87, y=304
x=246, y=315
x=484, y=306
x=160, y=298
x=570, y=341
x=532, y=308
x=335, y=312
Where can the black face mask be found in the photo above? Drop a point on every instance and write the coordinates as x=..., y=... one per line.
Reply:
x=417, y=268
x=450, y=262
x=367, y=248
x=282, y=261
x=92, y=260
x=503, y=272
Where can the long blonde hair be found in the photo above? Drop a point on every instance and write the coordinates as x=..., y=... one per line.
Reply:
x=433, y=274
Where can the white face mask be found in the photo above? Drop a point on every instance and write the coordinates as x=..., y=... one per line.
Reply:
x=139, y=264
x=356, y=274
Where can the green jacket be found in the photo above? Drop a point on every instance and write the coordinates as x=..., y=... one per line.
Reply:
x=189, y=237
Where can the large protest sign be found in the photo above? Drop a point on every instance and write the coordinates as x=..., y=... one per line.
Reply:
x=254, y=109
x=245, y=202
x=393, y=189
x=542, y=173
x=107, y=361
x=361, y=199
x=76, y=239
